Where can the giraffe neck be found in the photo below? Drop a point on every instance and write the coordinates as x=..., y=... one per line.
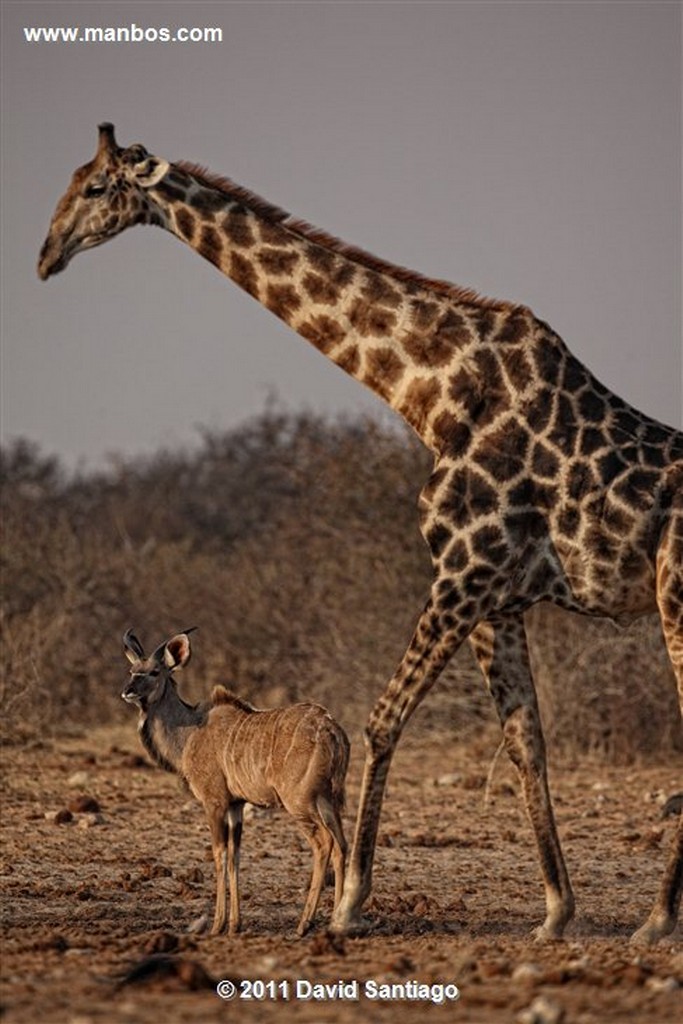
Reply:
x=401, y=335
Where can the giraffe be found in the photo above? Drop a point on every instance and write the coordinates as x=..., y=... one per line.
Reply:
x=545, y=485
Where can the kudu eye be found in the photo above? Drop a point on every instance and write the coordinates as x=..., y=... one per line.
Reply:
x=94, y=191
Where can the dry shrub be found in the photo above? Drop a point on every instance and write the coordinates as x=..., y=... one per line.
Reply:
x=603, y=690
x=293, y=544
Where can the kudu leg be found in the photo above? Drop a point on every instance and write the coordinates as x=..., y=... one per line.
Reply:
x=219, y=843
x=320, y=841
x=234, y=842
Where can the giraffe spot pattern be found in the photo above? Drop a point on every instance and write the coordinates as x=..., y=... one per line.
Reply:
x=210, y=245
x=420, y=398
x=383, y=368
x=242, y=272
x=282, y=300
x=377, y=290
x=320, y=289
x=451, y=434
x=207, y=201
x=238, y=230
x=368, y=320
x=278, y=262
x=186, y=222
x=427, y=349
x=503, y=451
x=349, y=360
x=323, y=331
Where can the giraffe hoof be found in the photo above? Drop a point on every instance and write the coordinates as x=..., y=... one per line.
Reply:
x=650, y=933
x=545, y=934
x=348, y=924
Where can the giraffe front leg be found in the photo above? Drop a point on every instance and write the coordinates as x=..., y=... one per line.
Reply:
x=664, y=914
x=501, y=650
x=435, y=640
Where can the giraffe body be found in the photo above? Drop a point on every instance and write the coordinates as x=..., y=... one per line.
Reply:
x=545, y=485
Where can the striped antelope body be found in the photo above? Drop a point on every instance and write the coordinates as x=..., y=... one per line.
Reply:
x=230, y=753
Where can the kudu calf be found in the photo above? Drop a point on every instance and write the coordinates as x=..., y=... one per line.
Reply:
x=230, y=752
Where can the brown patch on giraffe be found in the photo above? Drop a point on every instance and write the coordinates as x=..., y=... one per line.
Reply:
x=349, y=360
x=423, y=313
x=569, y=520
x=470, y=496
x=343, y=274
x=321, y=259
x=186, y=222
x=458, y=556
x=383, y=368
x=427, y=349
x=420, y=398
x=179, y=177
x=580, y=480
x=242, y=272
x=278, y=262
x=637, y=488
x=489, y=542
x=282, y=300
x=273, y=234
x=480, y=388
x=515, y=326
x=206, y=201
x=539, y=411
x=322, y=331
x=371, y=320
x=320, y=289
x=502, y=452
x=517, y=366
x=170, y=192
x=211, y=245
x=238, y=229
x=451, y=434
x=378, y=290
x=453, y=329
x=544, y=461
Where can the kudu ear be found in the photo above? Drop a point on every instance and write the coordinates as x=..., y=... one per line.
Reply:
x=132, y=646
x=177, y=650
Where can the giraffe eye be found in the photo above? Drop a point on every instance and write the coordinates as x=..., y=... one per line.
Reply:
x=95, y=191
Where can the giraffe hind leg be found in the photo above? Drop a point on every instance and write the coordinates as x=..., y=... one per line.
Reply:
x=501, y=649
x=664, y=914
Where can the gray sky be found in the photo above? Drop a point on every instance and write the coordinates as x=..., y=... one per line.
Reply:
x=529, y=150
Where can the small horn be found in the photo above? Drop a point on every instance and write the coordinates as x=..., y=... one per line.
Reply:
x=107, y=141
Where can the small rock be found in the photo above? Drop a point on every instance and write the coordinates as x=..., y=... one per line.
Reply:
x=78, y=780
x=61, y=817
x=450, y=779
x=89, y=820
x=199, y=926
x=541, y=1011
x=526, y=974
x=662, y=984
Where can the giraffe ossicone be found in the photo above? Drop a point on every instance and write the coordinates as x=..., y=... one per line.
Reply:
x=546, y=486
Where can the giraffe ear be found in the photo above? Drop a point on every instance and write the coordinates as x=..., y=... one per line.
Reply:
x=150, y=170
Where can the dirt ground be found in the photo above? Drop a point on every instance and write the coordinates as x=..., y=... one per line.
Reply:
x=97, y=908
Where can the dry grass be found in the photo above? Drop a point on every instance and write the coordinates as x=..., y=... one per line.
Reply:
x=293, y=544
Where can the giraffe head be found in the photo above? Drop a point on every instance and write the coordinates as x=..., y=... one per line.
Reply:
x=105, y=196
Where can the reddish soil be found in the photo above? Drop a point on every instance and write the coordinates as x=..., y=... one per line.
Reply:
x=456, y=895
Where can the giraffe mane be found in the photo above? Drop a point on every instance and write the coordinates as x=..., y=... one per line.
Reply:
x=276, y=215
